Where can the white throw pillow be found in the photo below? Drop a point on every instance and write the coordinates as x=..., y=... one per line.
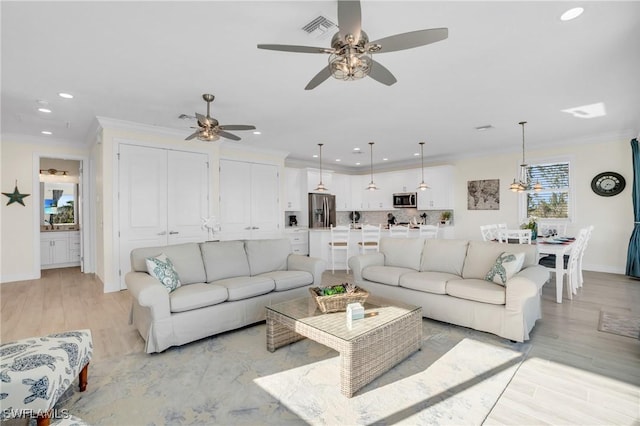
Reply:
x=505, y=266
x=161, y=268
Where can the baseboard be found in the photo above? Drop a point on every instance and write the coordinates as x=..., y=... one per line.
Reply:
x=19, y=277
x=604, y=268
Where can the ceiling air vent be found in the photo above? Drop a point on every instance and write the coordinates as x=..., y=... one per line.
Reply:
x=320, y=27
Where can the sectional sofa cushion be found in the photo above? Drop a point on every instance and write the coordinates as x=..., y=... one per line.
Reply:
x=286, y=280
x=384, y=274
x=186, y=259
x=267, y=255
x=402, y=252
x=481, y=256
x=224, y=259
x=245, y=287
x=431, y=282
x=197, y=295
x=477, y=290
x=444, y=256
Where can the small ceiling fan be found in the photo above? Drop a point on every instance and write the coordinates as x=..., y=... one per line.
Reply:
x=210, y=130
x=350, y=54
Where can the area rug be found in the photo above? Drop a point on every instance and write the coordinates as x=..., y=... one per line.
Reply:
x=456, y=378
x=623, y=324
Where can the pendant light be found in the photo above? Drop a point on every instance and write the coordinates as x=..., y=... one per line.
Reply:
x=372, y=186
x=423, y=186
x=321, y=187
x=522, y=182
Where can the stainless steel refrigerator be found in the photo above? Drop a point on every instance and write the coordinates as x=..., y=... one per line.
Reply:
x=322, y=210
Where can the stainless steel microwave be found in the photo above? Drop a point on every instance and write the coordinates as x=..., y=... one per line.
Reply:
x=405, y=200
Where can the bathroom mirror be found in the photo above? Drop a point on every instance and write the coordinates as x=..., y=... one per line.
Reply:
x=59, y=203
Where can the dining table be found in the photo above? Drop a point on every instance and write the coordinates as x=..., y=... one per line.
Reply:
x=558, y=247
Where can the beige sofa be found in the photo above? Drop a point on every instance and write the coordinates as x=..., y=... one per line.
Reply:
x=225, y=285
x=447, y=279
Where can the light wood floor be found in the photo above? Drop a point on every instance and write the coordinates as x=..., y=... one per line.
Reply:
x=574, y=373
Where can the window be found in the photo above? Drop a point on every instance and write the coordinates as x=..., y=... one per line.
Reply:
x=554, y=201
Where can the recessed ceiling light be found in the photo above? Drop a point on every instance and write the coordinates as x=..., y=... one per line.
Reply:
x=356, y=149
x=338, y=160
x=357, y=164
x=385, y=159
x=46, y=132
x=257, y=133
x=65, y=95
x=315, y=155
x=571, y=14
x=415, y=154
x=47, y=110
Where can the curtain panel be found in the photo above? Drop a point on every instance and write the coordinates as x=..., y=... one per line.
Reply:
x=633, y=254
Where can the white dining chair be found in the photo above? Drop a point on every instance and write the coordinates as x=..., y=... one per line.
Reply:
x=429, y=231
x=369, y=238
x=339, y=242
x=516, y=236
x=570, y=263
x=584, y=248
x=398, y=231
x=489, y=232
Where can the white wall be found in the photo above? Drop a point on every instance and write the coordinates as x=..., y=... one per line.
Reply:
x=19, y=257
x=611, y=216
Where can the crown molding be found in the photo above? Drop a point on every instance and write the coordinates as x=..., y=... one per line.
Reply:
x=113, y=123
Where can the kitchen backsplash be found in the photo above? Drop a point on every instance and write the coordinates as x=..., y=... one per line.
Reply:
x=401, y=215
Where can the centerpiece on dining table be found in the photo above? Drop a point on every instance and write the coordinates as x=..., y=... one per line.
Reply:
x=532, y=224
x=336, y=298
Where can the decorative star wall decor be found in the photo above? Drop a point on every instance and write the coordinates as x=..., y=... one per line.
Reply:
x=15, y=196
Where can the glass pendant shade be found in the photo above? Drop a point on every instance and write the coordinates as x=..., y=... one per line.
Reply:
x=321, y=187
x=372, y=186
x=423, y=186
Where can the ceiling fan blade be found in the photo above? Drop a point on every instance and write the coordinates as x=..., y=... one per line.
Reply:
x=349, y=19
x=227, y=135
x=192, y=136
x=380, y=74
x=203, y=120
x=411, y=39
x=297, y=49
x=324, y=74
x=236, y=127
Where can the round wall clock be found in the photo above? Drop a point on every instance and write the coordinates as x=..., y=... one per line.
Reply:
x=608, y=184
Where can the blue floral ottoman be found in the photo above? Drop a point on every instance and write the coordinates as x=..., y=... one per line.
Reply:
x=35, y=372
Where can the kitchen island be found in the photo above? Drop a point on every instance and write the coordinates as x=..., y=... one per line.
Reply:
x=319, y=239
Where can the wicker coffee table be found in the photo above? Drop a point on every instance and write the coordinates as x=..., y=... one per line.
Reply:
x=389, y=333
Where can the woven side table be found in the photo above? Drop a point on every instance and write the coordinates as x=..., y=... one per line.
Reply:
x=389, y=333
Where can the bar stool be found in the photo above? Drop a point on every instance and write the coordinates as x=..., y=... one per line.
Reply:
x=369, y=238
x=339, y=242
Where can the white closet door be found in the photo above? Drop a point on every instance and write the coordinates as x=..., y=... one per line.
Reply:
x=143, y=201
x=188, y=200
x=235, y=199
x=265, y=206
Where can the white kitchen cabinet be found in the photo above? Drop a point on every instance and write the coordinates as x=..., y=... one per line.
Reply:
x=58, y=249
x=313, y=179
x=293, y=189
x=440, y=194
x=299, y=238
x=249, y=204
x=341, y=188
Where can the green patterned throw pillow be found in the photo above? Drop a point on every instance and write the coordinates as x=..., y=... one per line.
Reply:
x=161, y=268
x=505, y=266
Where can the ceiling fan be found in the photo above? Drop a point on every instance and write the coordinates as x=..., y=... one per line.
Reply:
x=210, y=130
x=350, y=54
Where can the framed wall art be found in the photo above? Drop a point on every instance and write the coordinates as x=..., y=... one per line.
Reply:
x=483, y=194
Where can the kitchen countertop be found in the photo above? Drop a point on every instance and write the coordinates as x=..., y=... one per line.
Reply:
x=59, y=230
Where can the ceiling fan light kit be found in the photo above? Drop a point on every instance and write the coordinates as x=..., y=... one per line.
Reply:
x=209, y=129
x=522, y=182
x=351, y=53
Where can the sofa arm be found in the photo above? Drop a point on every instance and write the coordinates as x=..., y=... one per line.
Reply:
x=358, y=263
x=150, y=293
x=518, y=290
x=315, y=266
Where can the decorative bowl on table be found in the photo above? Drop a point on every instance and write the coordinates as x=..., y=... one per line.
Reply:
x=336, y=298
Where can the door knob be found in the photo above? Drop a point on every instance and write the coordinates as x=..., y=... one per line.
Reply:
x=173, y=232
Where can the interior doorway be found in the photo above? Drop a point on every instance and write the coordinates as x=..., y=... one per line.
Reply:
x=60, y=213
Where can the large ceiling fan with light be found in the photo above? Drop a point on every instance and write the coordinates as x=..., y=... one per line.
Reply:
x=350, y=54
x=210, y=130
